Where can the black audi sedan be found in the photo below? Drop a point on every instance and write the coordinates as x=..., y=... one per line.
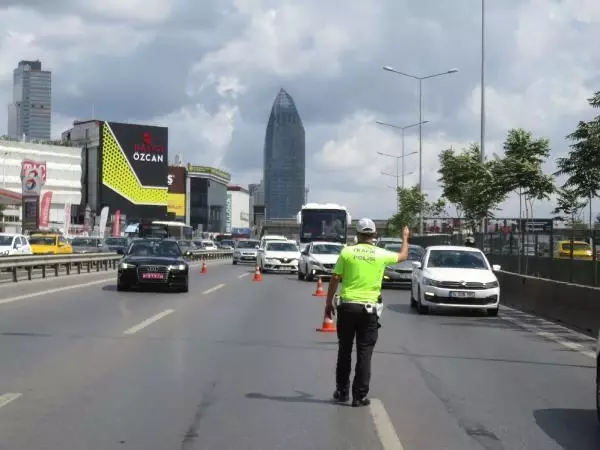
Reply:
x=150, y=263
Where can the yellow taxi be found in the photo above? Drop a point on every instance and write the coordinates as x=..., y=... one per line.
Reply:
x=49, y=244
x=581, y=250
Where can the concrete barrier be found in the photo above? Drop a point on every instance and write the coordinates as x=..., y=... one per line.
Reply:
x=576, y=306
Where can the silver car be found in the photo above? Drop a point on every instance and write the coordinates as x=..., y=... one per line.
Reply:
x=245, y=250
x=400, y=274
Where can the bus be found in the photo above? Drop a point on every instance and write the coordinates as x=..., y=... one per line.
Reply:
x=323, y=222
x=160, y=229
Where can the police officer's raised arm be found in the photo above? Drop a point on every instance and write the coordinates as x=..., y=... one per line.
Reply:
x=403, y=255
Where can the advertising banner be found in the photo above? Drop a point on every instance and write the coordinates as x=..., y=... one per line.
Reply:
x=229, y=214
x=134, y=168
x=117, y=224
x=33, y=178
x=67, y=218
x=45, y=209
x=103, y=221
x=176, y=195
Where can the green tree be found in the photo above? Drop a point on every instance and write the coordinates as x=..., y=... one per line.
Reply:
x=582, y=165
x=523, y=169
x=569, y=203
x=411, y=201
x=436, y=208
x=475, y=187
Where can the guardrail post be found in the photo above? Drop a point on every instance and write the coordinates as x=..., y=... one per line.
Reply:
x=43, y=271
x=29, y=271
x=14, y=274
x=68, y=267
x=56, y=269
x=78, y=268
x=89, y=266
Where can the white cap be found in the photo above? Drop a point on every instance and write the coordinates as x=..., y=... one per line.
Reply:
x=366, y=226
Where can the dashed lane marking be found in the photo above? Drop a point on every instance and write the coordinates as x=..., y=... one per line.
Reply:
x=384, y=427
x=52, y=291
x=244, y=275
x=10, y=397
x=560, y=340
x=149, y=321
x=213, y=289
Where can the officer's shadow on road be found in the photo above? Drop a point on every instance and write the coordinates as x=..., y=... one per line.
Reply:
x=302, y=397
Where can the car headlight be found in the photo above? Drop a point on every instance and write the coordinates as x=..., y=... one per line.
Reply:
x=491, y=284
x=178, y=267
x=271, y=260
x=125, y=265
x=430, y=282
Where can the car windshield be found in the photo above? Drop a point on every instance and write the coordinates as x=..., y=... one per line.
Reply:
x=227, y=243
x=5, y=240
x=326, y=249
x=282, y=247
x=42, y=240
x=85, y=242
x=168, y=249
x=116, y=241
x=457, y=259
x=185, y=244
x=384, y=243
x=247, y=244
x=415, y=253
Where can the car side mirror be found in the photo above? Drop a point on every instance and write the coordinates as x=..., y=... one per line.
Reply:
x=417, y=265
x=496, y=267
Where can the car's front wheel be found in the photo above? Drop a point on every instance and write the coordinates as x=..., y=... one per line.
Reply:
x=122, y=287
x=493, y=312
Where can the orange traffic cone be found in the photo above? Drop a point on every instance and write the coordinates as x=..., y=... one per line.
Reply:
x=257, y=275
x=328, y=326
x=320, y=292
x=204, y=268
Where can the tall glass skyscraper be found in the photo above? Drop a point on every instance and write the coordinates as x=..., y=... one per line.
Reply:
x=30, y=113
x=284, y=164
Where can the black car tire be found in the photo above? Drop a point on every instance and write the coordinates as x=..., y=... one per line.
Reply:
x=421, y=309
x=234, y=262
x=300, y=274
x=186, y=289
x=122, y=287
x=493, y=312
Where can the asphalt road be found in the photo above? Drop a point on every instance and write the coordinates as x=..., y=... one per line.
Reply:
x=238, y=365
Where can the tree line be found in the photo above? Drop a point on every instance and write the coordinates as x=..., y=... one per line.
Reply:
x=475, y=188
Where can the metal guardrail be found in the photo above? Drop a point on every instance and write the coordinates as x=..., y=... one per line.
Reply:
x=84, y=261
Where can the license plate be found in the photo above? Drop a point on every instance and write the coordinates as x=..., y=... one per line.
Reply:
x=462, y=294
x=404, y=276
x=153, y=276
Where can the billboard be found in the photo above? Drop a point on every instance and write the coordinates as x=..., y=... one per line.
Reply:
x=229, y=214
x=33, y=178
x=223, y=176
x=176, y=194
x=134, y=168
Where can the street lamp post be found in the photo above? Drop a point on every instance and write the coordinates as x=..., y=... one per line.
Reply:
x=420, y=80
x=396, y=176
x=402, y=129
x=482, y=141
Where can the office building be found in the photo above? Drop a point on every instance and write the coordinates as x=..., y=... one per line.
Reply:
x=284, y=160
x=206, y=198
x=30, y=113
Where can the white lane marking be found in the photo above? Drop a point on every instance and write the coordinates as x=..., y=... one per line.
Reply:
x=213, y=289
x=384, y=427
x=244, y=275
x=5, y=399
x=149, y=321
x=52, y=291
x=551, y=336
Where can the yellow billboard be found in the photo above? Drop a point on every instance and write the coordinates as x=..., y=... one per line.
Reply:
x=176, y=204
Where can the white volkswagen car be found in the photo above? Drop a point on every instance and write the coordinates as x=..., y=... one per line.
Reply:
x=454, y=277
x=318, y=258
x=279, y=256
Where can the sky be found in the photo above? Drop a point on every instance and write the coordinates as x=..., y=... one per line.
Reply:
x=210, y=70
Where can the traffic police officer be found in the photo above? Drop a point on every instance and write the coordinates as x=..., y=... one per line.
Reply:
x=360, y=269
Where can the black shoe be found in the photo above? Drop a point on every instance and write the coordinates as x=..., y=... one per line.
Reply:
x=339, y=397
x=357, y=402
